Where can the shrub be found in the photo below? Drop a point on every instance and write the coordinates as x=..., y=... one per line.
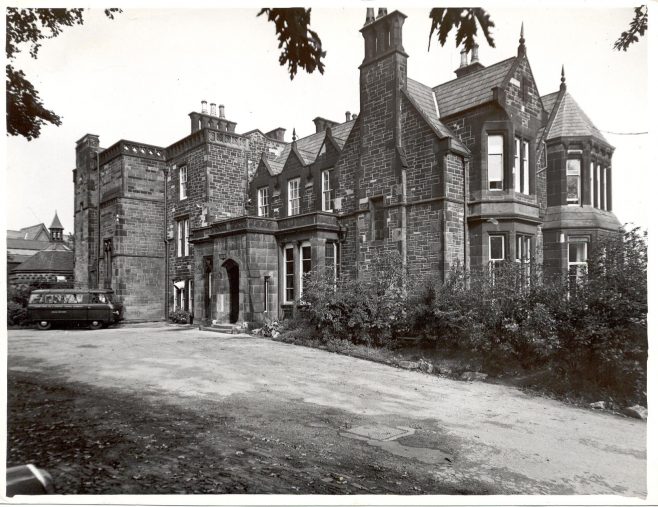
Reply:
x=16, y=314
x=180, y=317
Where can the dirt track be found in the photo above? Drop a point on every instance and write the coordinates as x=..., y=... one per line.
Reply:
x=158, y=410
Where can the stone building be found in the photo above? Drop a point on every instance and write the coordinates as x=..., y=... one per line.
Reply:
x=224, y=225
x=51, y=265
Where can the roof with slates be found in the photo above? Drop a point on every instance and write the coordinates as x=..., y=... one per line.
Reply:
x=472, y=89
x=571, y=121
x=48, y=261
x=423, y=96
x=309, y=146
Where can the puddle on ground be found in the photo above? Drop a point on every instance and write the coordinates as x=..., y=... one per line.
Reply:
x=385, y=437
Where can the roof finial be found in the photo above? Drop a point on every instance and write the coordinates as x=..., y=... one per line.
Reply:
x=294, y=135
x=563, y=85
x=521, y=50
x=370, y=15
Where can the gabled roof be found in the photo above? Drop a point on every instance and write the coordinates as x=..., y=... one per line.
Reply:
x=26, y=244
x=309, y=146
x=56, y=223
x=48, y=261
x=472, y=89
x=422, y=95
x=571, y=121
x=31, y=233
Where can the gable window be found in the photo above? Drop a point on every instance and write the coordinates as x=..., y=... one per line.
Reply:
x=327, y=192
x=305, y=268
x=495, y=157
x=577, y=260
x=289, y=282
x=293, y=197
x=182, y=182
x=263, y=202
x=183, y=234
x=573, y=181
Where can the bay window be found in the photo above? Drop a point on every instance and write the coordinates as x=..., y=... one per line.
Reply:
x=577, y=261
x=495, y=158
x=305, y=264
x=573, y=181
x=289, y=281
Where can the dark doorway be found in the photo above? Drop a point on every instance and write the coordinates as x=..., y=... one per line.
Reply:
x=207, y=282
x=233, y=274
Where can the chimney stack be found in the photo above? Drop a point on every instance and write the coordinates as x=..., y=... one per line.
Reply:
x=213, y=109
x=474, y=54
x=204, y=107
x=464, y=58
x=221, y=110
x=347, y=116
x=381, y=13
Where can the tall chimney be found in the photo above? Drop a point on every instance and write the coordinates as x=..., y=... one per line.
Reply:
x=221, y=111
x=213, y=109
x=347, y=116
x=474, y=54
x=464, y=58
x=204, y=107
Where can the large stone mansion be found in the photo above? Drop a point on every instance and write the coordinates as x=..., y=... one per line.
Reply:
x=224, y=224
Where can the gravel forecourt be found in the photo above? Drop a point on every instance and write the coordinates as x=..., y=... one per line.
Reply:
x=156, y=409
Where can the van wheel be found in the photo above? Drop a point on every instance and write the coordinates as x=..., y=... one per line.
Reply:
x=43, y=325
x=95, y=324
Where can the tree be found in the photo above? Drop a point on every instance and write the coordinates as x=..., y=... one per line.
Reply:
x=302, y=47
x=26, y=113
x=638, y=26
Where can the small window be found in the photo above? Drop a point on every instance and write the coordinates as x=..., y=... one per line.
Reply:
x=495, y=157
x=573, y=181
x=327, y=192
x=183, y=229
x=577, y=260
x=289, y=274
x=293, y=197
x=496, y=248
x=331, y=260
x=306, y=264
x=263, y=202
x=378, y=219
x=182, y=182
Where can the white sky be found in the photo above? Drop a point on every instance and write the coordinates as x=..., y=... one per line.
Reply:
x=139, y=76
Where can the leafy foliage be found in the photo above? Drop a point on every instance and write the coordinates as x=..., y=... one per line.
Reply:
x=26, y=113
x=180, y=317
x=638, y=26
x=302, y=47
x=17, y=299
x=465, y=21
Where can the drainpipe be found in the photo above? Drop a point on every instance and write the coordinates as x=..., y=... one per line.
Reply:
x=98, y=224
x=466, y=166
x=403, y=218
x=165, y=172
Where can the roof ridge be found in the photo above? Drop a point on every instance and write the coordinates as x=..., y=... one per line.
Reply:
x=475, y=72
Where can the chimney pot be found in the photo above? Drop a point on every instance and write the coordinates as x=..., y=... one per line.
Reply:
x=204, y=107
x=474, y=54
x=370, y=15
x=213, y=109
x=381, y=13
x=347, y=116
x=221, y=110
x=464, y=58
x=354, y=116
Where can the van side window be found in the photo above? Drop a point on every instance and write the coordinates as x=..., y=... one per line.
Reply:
x=35, y=298
x=97, y=298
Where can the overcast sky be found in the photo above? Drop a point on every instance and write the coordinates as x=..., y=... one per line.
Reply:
x=139, y=76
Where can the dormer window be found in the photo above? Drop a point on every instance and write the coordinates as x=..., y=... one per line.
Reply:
x=495, y=158
x=573, y=181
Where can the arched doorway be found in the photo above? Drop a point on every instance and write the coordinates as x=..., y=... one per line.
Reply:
x=233, y=276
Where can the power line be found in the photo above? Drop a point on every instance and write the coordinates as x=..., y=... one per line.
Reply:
x=624, y=133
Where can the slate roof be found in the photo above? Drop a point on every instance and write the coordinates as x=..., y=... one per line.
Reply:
x=30, y=232
x=549, y=101
x=571, y=121
x=26, y=244
x=309, y=146
x=48, y=261
x=56, y=223
x=471, y=90
x=423, y=96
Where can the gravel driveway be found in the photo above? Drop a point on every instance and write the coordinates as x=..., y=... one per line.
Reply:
x=316, y=422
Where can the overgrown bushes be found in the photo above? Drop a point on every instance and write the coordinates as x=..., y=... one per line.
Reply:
x=17, y=299
x=589, y=331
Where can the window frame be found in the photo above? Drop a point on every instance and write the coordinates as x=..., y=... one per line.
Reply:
x=183, y=237
x=288, y=277
x=182, y=182
x=294, y=203
x=502, y=237
x=263, y=201
x=499, y=183
x=304, y=262
x=579, y=198
x=327, y=199
x=581, y=266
